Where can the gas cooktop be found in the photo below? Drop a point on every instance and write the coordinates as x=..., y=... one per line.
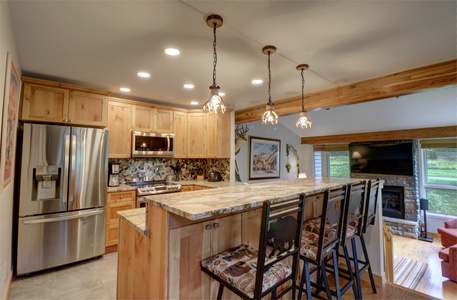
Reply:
x=155, y=187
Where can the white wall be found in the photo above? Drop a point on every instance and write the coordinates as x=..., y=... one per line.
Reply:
x=7, y=44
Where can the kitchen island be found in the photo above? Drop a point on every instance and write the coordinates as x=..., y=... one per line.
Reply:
x=160, y=248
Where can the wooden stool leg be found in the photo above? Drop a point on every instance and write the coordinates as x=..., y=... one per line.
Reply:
x=219, y=291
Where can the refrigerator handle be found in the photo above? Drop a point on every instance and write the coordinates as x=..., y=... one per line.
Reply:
x=80, y=215
x=65, y=171
x=73, y=191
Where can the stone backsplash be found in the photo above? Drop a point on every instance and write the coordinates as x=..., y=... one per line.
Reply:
x=161, y=168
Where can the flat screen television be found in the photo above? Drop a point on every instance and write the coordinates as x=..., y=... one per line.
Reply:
x=390, y=157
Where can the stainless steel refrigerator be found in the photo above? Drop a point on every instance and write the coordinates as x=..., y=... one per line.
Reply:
x=62, y=196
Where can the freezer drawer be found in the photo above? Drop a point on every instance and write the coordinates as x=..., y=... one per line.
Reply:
x=58, y=239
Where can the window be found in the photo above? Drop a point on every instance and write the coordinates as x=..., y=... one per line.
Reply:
x=331, y=160
x=439, y=175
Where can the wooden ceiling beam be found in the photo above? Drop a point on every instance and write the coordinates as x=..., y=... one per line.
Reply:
x=407, y=134
x=393, y=85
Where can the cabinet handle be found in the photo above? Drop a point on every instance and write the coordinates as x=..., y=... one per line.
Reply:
x=208, y=227
x=122, y=196
x=215, y=225
x=70, y=121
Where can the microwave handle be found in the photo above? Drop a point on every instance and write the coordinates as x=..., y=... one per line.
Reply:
x=168, y=143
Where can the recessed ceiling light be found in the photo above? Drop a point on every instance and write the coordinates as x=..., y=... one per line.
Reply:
x=172, y=51
x=188, y=86
x=125, y=89
x=194, y=102
x=257, y=81
x=222, y=94
x=144, y=74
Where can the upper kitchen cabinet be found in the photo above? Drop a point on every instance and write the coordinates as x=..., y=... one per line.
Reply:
x=54, y=102
x=197, y=132
x=180, y=124
x=152, y=119
x=163, y=120
x=119, y=126
x=218, y=136
x=143, y=118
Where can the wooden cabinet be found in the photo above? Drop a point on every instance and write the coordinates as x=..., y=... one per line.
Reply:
x=47, y=101
x=197, y=140
x=218, y=136
x=163, y=120
x=143, y=118
x=119, y=125
x=180, y=124
x=116, y=202
x=188, y=246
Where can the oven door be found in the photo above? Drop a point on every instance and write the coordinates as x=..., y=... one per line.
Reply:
x=151, y=144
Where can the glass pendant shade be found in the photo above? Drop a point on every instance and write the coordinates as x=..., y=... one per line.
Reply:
x=214, y=105
x=269, y=116
x=303, y=121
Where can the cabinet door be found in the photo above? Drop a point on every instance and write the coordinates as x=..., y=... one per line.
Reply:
x=189, y=245
x=163, y=120
x=143, y=118
x=116, y=202
x=219, y=136
x=119, y=125
x=43, y=103
x=88, y=109
x=196, y=135
x=180, y=124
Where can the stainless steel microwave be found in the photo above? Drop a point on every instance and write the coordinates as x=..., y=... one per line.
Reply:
x=152, y=144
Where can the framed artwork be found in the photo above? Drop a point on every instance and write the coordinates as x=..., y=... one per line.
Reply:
x=9, y=122
x=263, y=158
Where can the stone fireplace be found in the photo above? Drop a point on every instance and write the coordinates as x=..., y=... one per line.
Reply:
x=402, y=218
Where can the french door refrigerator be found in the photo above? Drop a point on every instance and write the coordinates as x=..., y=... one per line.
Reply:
x=62, y=196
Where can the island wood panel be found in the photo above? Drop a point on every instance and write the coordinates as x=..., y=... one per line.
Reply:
x=393, y=85
x=88, y=109
x=407, y=134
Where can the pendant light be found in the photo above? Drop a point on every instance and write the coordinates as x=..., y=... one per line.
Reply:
x=303, y=120
x=214, y=103
x=269, y=115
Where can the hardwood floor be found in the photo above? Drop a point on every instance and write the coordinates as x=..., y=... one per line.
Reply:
x=432, y=283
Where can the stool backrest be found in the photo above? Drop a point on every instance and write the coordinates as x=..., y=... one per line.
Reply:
x=331, y=221
x=371, y=204
x=354, y=209
x=280, y=237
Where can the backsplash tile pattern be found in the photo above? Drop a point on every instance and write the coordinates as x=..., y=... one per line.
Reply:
x=160, y=168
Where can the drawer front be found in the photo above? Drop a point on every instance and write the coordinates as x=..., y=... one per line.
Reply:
x=122, y=196
x=115, y=207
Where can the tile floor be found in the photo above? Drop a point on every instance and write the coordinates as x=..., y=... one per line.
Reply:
x=92, y=279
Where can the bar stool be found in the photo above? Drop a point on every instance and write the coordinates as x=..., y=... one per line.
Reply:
x=318, y=248
x=352, y=227
x=252, y=273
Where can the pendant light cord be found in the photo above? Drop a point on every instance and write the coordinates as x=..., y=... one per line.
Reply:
x=302, y=91
x=214, y=55
x=269, y=80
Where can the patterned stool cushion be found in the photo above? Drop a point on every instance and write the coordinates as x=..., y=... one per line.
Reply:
x=309, y=242
x=312, y=225
x=238, y=267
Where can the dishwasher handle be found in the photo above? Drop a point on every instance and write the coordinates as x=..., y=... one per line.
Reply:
x=80, y=215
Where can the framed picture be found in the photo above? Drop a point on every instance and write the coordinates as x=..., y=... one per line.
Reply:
x=9, y=122
x=263, y=158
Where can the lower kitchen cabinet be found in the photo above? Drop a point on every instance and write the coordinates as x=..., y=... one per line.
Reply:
x=116, y=202
x=189, y=245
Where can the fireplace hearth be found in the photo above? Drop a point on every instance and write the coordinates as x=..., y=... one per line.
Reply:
x=393, y=201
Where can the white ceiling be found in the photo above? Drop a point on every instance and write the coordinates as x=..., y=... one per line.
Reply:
x=103, y=44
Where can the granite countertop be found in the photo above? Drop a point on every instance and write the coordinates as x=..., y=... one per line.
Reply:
x=120, y=188
x=228, y=197
x=236, y=196
x=135, y=217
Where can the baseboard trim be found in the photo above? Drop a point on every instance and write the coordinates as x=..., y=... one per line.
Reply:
x=377, y=278
x=8, y=285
